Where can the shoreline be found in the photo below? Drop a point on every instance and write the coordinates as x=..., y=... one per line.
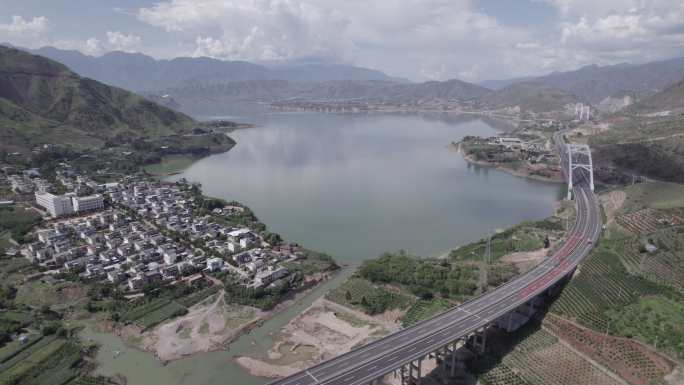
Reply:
x=502, y=167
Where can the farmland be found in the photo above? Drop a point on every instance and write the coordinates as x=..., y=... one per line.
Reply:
x=527, y=236
x=656, y=321
x=658, y=195
x=361, y=294
x=630, y=359
x=664, y=265
x=537, y=357
x=581, y=301
x=648, y=220
x=49, y=361
x=153, y=312
x=422, y=309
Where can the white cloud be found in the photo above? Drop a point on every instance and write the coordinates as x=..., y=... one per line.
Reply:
x=631, y=30
x=91, y=46
x=19, y=25
x=403, y=36
x=121, y=41
x=254, y=29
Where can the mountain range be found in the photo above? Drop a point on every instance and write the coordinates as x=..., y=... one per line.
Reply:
x=204, y=86
x=142, y=73
x=595, y=83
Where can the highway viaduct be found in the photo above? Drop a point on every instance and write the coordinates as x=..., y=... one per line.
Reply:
x=507, y=307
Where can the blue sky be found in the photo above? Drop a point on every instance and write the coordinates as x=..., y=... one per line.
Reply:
x=417, y=39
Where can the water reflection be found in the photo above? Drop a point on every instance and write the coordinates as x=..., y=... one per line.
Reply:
x=357, y=185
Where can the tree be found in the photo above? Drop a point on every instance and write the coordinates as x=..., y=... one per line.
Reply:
x=348, y=296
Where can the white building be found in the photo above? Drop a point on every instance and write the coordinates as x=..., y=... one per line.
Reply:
x=56, y=205
x=214, y=264
x=88, y=203
x=509, y=142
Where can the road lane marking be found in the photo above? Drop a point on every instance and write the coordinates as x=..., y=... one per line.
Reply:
x=312, y=376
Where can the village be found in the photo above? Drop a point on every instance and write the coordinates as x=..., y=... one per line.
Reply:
x=138, y=233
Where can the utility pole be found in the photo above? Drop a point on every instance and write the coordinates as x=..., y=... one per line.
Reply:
x=489, y=248
x=487, y=260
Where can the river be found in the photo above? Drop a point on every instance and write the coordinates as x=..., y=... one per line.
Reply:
x=351, y=185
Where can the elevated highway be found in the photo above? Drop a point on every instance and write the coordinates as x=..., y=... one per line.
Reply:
x=504, y=307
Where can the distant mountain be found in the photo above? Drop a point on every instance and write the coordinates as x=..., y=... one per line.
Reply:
x=620, y=100
x=529, y=96
x=42, y=101
x=217, y=99
x=141, y=73
x=499, y=84
x=670, y=101
x=595, y=83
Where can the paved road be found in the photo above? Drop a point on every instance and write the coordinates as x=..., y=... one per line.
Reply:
x=378, y=358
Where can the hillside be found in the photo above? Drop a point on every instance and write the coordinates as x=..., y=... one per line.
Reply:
x=594, y=83
x=529, y=96
x=42, y=101
x=669, y=101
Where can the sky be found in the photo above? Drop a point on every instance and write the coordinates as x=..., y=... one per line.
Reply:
x=472, y=40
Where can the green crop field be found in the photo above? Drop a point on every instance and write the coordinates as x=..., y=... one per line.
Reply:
x=161, y=314
x=199, y=296
x=153, y=312
x=665, y=266
x=657, y=195
x=15, y=347
x=580, y=300
x=655, y=320
x=527, y=236
x=49, y=361
x=424, y=309
x=362, y=294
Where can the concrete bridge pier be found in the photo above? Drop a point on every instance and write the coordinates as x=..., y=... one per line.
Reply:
x=453, y=359
x=477, y=341
x=411, y=373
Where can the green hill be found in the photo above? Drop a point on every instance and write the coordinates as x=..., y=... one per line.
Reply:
x=42, y=101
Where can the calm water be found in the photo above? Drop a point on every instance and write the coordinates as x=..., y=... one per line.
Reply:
x=353, y=186
x=357, y=185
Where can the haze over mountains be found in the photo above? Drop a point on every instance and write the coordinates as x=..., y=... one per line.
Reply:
x=142, y=73
x=204, y=86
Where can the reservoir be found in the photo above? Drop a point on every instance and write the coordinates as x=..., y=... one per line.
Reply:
x=356, y=185
x=352, y=186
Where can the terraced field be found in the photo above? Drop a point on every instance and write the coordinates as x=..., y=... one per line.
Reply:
x=583, y=302
x=629, y=359
x=665, y=265
x=540, y=359
x=648, y=220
